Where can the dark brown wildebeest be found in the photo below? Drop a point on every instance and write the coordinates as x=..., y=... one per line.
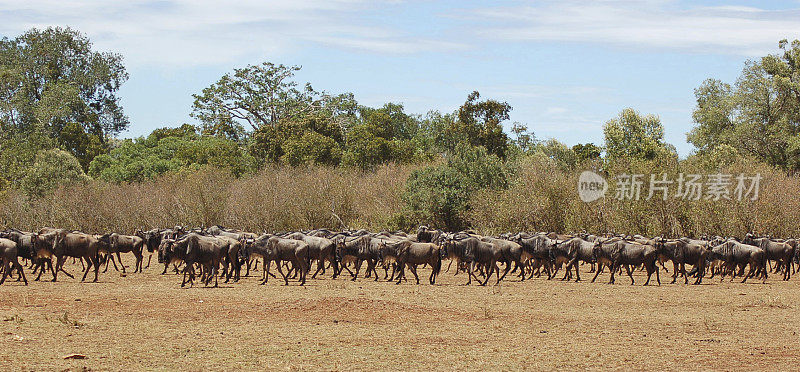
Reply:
x=511, y=253
x=206, y=251
x=170, y=254
x=289, y=250
x=152, y=240
x=118, y=243
x=538, y=248
x=781, y=252
x=577, y=250
x=412, y=254
x=77, y=245
x=475, y=252
x=320, y=249
x=8, y=257
x=626, y=253
x=736, y=254
x=230, y=252
x=681, y=252
x=359, y=249
x=43, y=251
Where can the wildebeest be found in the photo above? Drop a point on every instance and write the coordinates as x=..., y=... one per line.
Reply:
x=320, y=250
x=78, y=245
x=172, y=252
x=578, y=250
x=626, y=253
x=776, y=251
x=736, y=254
x=364, y=248
x=206, y=251
x=410, y=254
x=538, y=248
x=118, y=243
x=681, y=252
x=289, y=250
x=475, y=252
x=8, y=257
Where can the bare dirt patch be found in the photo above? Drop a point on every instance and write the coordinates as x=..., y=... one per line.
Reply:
x=146, y=321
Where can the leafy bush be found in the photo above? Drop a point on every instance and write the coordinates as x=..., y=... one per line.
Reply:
x=52, y=168
x=169, y=150
x=439, y=195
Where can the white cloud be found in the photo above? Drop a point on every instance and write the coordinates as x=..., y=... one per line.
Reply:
x=204, y=32
x=651, y=24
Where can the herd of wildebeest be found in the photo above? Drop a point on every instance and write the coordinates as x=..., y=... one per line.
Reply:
x=217, y=252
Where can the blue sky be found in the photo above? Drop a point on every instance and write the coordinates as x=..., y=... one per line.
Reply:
x=565, y=66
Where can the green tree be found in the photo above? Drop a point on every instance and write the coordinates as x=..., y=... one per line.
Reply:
x=265, y=95
x=169, y=150
x=524, y=139
x=759, y=115
x=631, y=135
x=586, y=151
x=562, y=154
x=311, y=148
x=51, y=81
x=439, y=195
x=480, y=123
x=52, y=168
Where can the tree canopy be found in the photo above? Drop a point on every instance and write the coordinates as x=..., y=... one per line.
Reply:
x=53, y=82
x=759, y=115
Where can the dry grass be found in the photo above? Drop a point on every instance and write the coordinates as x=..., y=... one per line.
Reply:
x=146, y=321
x=276, y=199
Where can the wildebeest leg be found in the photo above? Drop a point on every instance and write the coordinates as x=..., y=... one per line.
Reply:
x=109, y=257
x=139, y=261
x=88, y=267
x=21, y=271
x=345, y=267
x=358, y=268
x=683, y=272
x=597, y=271
x=508, y=268
x=150, y=257
x=120, y=263
x=786, y=271
x=265, y=270
x=413, y=269
x=215, y=268
x=185, y=270
x=320, y=266
x=630, y=272
x=59, y=262
x=305, y=267
x=650, y=268
x=247, y=264
x=489, y=271
x=613, y=269
x=750, y=272
x=285, y=277
x=6, y=270
x=401, y=272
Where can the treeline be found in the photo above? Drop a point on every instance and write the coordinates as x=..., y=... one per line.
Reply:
x=270, y=153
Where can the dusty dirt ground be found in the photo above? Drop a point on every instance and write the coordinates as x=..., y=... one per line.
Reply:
x=146, y=321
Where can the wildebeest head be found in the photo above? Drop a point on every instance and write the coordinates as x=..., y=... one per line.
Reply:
x=165, y=250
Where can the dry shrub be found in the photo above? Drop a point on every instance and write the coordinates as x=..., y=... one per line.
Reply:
x=276, y=199
x=542, y=197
